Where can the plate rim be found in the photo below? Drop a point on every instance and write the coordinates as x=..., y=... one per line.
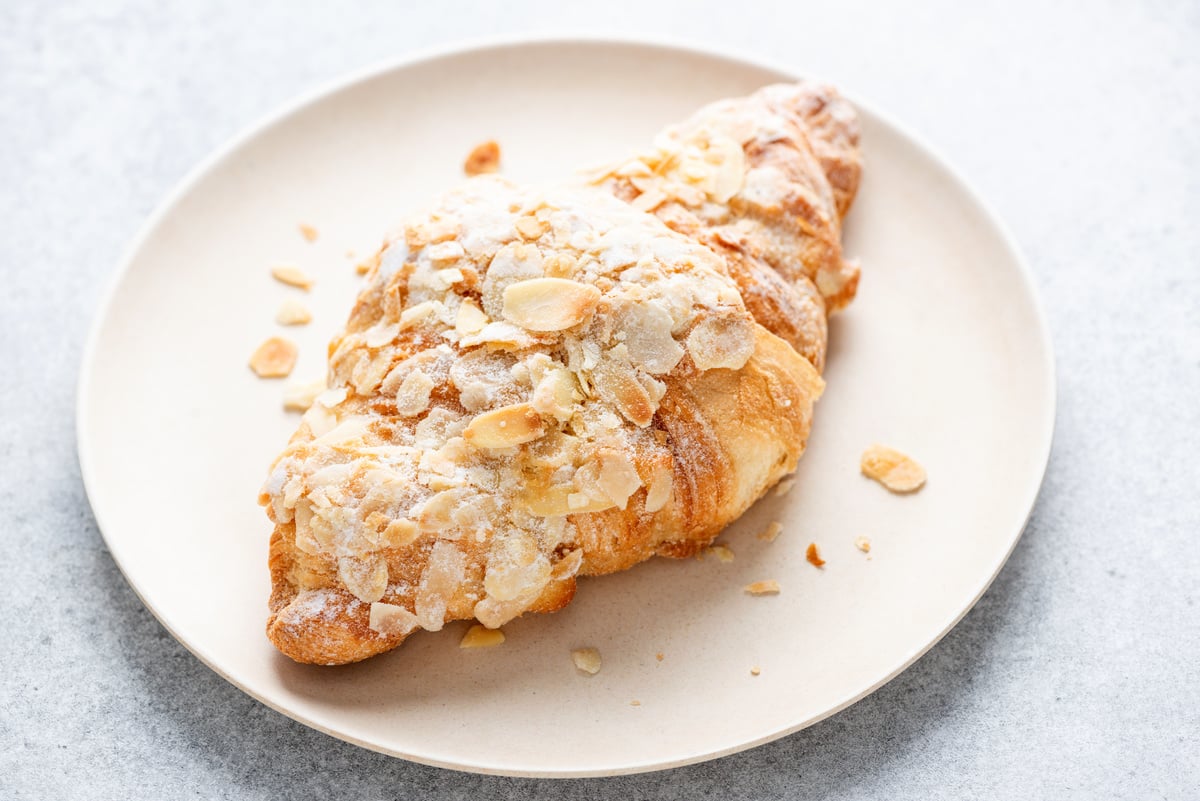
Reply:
x=477, y=45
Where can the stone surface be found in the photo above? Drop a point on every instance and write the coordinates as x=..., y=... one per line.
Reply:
x=1077, y=674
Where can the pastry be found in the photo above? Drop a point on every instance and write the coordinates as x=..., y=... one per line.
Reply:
x=535, y=385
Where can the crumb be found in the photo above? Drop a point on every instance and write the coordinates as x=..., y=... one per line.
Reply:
x=723, y=552
x=813, y=555
x=754, y=671
x=863, y=544
x=484, y=158
x=308, y=232
x=772, y=531
x=586, y=660
x=362, y=268
x=292, y=276
x=274, y=358
x=481, y=637
x=785, y=486
x=659, y=656
x=891, y=468
x=293, y=312
x=768, y=587
x=635, y=702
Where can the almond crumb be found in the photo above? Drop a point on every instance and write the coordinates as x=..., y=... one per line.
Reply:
x=771, y=532
x=362, y=268
x=785, y=486
x=292, y=276
x=891, y=468
x=723, y=552
x=481, y=637
x=659, y=656
x=586, y=660
x=754, y=671
x=274, y=358
x=813, y=555
x=308, y=232
x=863, y=544
x=293, y=312
x=635, y=702
x=768, y=587
x=483, y=158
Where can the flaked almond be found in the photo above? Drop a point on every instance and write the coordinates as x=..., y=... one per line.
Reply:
x=722, y=341
x=756, y=670
x=470, y=318
x=730, y=173
x=308, y=232
x=863, y=544
x=298, y=397
x=587, y=660
x=415, y=315
x=893, y=469
x=292, y=276
x=293, y=312
x=391, y=620
x=649, y=201
x=771, y=531
x=445, y=252
x=274, y=358
x=499, y=336
x=399, y=533
x=785, y=486
x=481, y=637
x=366, y=576
x=505, y=427
x=768, y=587
x=530, y=227
x=618, y=478
x=723, y=552
x=555, y=394
x=412, y=397
x=549, y=304
x=813, y=555
x=483, y=158
x=658, y=491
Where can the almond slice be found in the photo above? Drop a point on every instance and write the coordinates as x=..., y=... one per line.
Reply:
x=863, y=544
x=481, y=637
x=483, y=158
x=391, y=620
x=813, y=555
x=470, y=318
x=293, y=312
x=549, y=304
x=768, y=587
x=891, y=468
x=586, y=660
x=292, y=276
x=505, y=427
x=274, y=358
x=298, y=397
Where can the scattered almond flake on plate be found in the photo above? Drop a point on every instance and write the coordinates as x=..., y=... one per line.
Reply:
x=308, y=232
x=754, y=671
x=586, y=660
x=293, y=312
x=767, y=587
x=723, y=552
x=785, y=486
x=298, y=397
x=292, y=276
x=274, y=358
x=483, y=158
x=863, y=544
x=635, y=702
x=481, y=637
x=813, y=555
x=893, y=469
x=771, y=532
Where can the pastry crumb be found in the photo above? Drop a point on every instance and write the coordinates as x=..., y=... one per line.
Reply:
x=891, y=468
x=481, y=637
x=863, y=544
x=292, y=276
x=274, y=358
x=785, y=486
x=587, y=660
x=754, y=671
x=771, y=532
x=298, y=397
x=659, y=656
x=635, y=702
x=767, y=587
x=308, y=232
x=723, y=552
x=293, y=312
x=483, y=158
x=813, y=555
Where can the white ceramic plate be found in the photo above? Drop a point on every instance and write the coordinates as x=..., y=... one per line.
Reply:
x=944, y=355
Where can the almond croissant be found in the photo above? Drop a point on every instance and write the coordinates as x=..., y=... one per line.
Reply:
x=536, y=385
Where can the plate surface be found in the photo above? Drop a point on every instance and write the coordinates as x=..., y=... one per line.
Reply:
x=943, y=355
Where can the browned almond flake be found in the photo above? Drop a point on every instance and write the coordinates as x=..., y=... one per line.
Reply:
x=308, y=232
x=863, y=544
x=723, y=552
x=771, y=532
x=292, y=276
x=754, y=671
x=635, y=702
x=891, y=468
x=274, y=358
x=481, y=637
x=813, y=555
x=767, y=587
x=483, y=158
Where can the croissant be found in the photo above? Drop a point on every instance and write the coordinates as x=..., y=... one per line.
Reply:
x=535, y=385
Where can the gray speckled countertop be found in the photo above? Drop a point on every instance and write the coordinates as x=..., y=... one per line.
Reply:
x=1077, y=675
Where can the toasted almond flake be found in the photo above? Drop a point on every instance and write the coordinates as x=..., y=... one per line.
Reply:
x=379, y=335
x=292, y=276
x=298, y=397
x=731, y=168
x=649, y=201
x=863, y=544
x=891, y=468
x=530, y=227
x=499, y=336
x=785, y=486
x=399, y=534
x=771, y=531
x=754, y=671
x=723, y=552
x=505, y=427
x=413, y=396
x=549, y=304
x=366, y=577
x=659, y=656
x=659, y=489
x=274, y=358
x=634, y=167
x=635, y=702
x=483, y=158
x=722, y=341
x=308, y=232
x=813, y=555
x=586, y=660
x=470, y=319
x=442, y=252
x=362, y=268
x=767, y=587
x=414, y=315
x=481, y=637
x=391, y=620
x=293, y=312
x=332, y=397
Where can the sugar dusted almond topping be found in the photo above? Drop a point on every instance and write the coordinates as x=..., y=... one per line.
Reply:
x=293, y=312
x=444, y=252
x=470, y=319
x=481, y=637
x=586, y=660
x=379, y=335
x=274, y=358
x=549, y=304
x=649, y=201
x=483, y=158
x=722, y=341
x=768, y=587
x=813, y=555
x=415, y=315
x=891, y=468
x=659, y=490
x=731, y=167
x=399, y=534
x=555, y=394
x=298, y=397
x=505, y=427
x=530, y=227
x=771, y=531
x=863, y=544
x=391, y=620
x=366, y=577
x=412, y=397
x=292, y=276
x=308, y=232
